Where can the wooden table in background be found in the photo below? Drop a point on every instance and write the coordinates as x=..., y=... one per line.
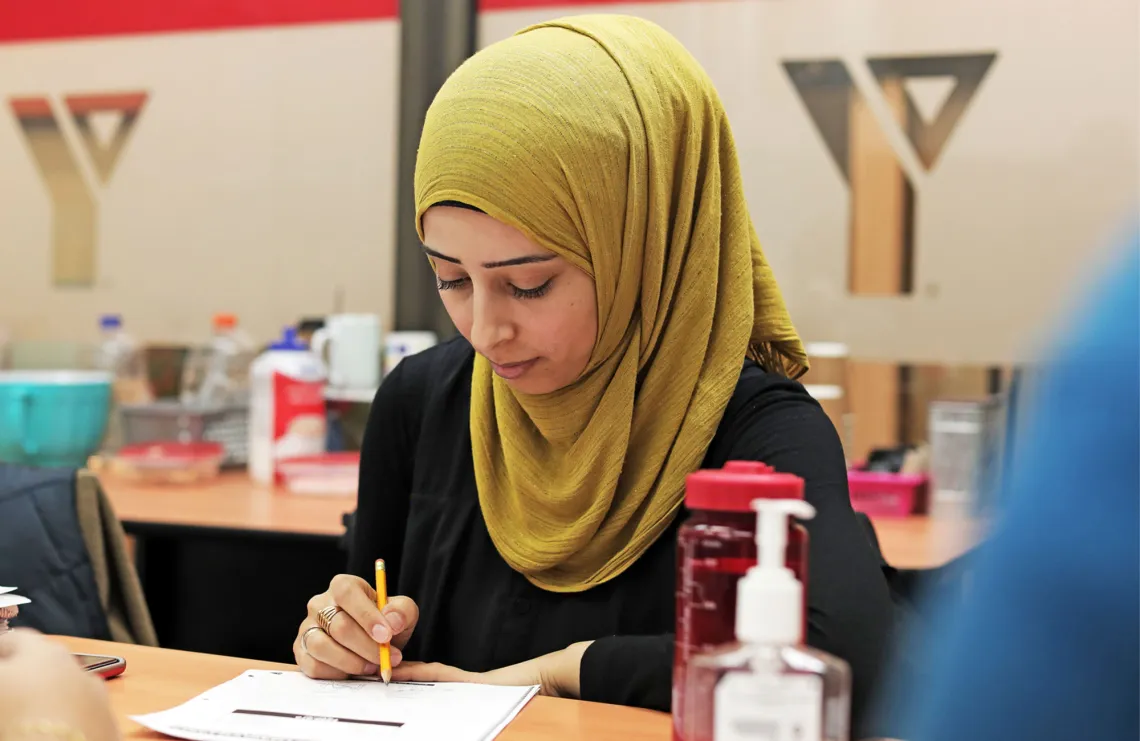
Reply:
x=235, y=503
x=159, y=679
x=207, y=553
x=231, y=502
x=921, y=542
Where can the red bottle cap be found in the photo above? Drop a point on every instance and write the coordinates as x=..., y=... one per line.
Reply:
x=732, y=488
x=225, y=321
x=747, y=467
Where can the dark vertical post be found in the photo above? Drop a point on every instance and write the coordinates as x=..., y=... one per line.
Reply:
x=436, y=36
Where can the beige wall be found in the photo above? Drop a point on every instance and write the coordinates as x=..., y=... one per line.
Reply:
x=259, y=179
x=260, y=175
x=1039, y=172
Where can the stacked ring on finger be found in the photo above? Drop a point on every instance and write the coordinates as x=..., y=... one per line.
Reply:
x=305, y=637
x=325, y=617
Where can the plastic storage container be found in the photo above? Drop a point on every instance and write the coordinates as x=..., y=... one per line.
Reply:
x=173, y=421
x=287, y=406
x=167, y=463
x=715, y=547
x=335, y=474
x=966, y=454
x=880, y=494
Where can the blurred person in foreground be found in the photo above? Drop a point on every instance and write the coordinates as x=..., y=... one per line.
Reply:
x=44, y=694
x=1046, y=644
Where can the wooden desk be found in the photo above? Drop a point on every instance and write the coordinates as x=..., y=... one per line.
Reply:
x=249, y=546
x=924, y=542
x=232, y=502
x=158, y=679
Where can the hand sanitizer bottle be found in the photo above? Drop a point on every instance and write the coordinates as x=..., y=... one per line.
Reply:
x=768, y=686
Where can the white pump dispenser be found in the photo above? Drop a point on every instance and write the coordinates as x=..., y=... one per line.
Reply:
x=769, y=601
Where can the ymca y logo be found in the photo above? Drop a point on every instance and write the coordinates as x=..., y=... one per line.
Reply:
x=883, y=200
x=73, y=195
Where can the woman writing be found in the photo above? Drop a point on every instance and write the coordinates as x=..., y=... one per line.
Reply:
x=579, y=197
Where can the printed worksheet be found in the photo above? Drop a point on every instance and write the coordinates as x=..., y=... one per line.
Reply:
x=7, y=599
x=288, y=706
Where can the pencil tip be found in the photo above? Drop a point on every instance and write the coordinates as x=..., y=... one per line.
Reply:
x=386, y=675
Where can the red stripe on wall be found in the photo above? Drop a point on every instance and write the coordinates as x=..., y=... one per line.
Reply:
x=30, y=107
x=568, y=4
x=125, y=102
x=21, y=20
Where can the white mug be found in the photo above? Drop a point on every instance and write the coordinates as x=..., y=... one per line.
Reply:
x=399, y=345
x=353, y=342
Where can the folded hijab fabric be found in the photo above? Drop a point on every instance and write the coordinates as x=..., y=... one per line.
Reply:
x=602, y=140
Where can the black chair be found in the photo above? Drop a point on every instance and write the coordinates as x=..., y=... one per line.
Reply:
x=348, y=519
x=62, y=546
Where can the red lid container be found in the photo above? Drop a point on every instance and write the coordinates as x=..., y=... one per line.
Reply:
x=168, y=462
x=716, y=546
x=734, y=487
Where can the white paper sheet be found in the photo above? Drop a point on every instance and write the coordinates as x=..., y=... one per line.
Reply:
x=287, y=706
x=11, y=600
x=5, y=590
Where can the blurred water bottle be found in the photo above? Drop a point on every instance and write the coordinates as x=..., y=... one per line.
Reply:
x=120, y=355
x=217, y=373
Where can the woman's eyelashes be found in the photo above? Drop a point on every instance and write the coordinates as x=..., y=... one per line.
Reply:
x=521, y=293
x=532, y=292
x=447, y=285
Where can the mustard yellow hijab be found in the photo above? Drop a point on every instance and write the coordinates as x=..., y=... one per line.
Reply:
x=602, y=140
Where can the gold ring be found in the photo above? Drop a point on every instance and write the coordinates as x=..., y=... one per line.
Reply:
x=325, y=617
x=305, y=637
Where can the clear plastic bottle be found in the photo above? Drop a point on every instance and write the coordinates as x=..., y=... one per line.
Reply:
x=217, y=373
x=119, y=354
x=769, y=686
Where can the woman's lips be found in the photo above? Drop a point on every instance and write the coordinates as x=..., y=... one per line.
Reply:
x=513, y=371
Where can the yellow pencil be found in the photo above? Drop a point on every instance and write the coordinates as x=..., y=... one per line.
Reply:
x=381, y=600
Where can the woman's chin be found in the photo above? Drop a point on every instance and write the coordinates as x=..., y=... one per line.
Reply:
x=530, y=386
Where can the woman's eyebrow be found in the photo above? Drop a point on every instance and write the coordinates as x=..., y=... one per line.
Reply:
x=525, y=260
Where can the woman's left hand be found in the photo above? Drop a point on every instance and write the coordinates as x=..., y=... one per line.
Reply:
x=557, y=674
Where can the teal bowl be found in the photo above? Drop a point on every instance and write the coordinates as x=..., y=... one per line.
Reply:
x=52, y=418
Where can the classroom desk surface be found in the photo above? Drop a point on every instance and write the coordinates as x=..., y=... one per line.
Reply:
x=921, y=542
x=234, y=502
x=158, y=679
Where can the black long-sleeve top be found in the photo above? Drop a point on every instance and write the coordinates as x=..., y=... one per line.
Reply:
x=419, y=509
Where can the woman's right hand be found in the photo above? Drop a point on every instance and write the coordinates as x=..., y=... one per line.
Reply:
x=352, y=644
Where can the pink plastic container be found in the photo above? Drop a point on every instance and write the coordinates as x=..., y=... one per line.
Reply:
x=333, y=474
x=888, y=494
